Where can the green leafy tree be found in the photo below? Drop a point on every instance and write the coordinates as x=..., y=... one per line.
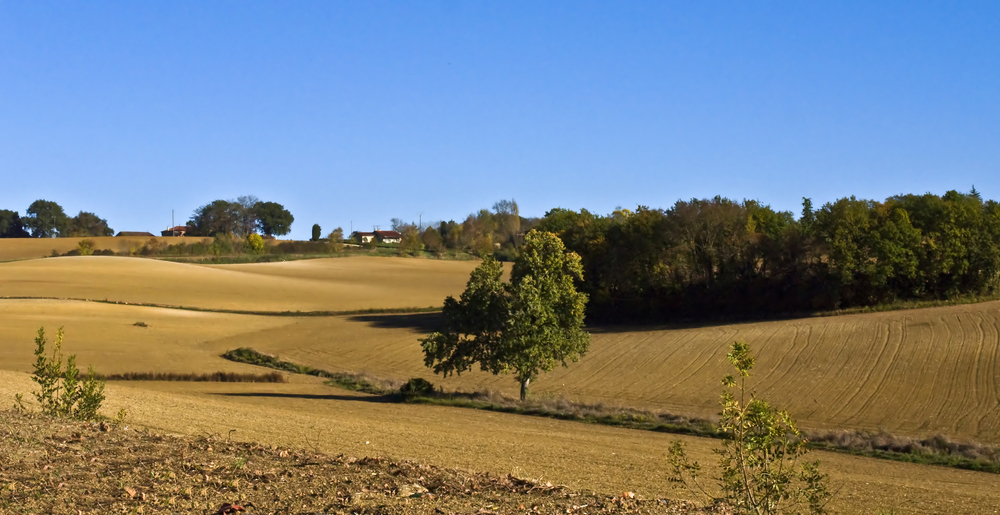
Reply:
x=11, y=225
x=88, y=224
x=218, y=217
x=45, y=219
x=274, y=219
x=523, y=327
x=432, y=240
x=317, y=233
x=410, y=243
x=336, y=238
x=761, y=453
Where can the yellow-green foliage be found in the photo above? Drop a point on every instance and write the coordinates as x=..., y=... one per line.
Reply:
x=86, y=247
x=254, y=244
x=61, y=393
x=761, y=453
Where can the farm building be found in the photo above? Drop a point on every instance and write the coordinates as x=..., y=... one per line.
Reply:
x=179, y=230
x=378, y=236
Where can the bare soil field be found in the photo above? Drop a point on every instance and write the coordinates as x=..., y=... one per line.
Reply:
x=101, y=469
x=31, y=248
x=335, y=284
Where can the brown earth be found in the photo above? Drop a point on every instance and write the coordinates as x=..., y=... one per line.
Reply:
x=63, y=467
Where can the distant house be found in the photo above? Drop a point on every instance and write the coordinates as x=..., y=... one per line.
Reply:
x=135, y=234
x=378, y=236
x=180, y=230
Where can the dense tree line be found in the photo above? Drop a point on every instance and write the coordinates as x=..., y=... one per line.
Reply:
x=47, y=219
x=718, y=257
x=244, y=216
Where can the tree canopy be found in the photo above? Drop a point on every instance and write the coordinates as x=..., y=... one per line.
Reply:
x=710, y=258
x=45, y=219
x=11, y=225
x=88, y=224
x=524, y=327
x=241, y=217
x=274, y=219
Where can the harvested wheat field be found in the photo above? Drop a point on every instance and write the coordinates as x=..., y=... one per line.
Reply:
x=584, y=457
x=916, y=372
x=31, y=248
x=335, y=284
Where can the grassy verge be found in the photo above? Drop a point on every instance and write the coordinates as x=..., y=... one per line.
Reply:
x=937, y=450
x=215, y=377
x=370, y=311
x=355, y=382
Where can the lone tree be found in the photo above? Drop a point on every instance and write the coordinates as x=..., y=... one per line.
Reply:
x=46, y=219
x=317, y=233
x=273, y=218
x=524, y=327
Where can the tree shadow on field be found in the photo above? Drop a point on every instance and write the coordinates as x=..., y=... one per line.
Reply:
x=361, y=397
x=422, y=322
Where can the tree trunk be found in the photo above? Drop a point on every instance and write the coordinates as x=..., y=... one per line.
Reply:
x=524, y=388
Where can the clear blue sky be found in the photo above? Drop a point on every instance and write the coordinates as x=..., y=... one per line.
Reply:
x=370, y=110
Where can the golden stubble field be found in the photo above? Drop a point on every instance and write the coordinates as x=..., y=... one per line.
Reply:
x=335, y=284
x=31, y=248
x=912, y=372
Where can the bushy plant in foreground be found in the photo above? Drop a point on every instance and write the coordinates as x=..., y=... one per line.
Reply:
x=61, y=391
x=760, y=455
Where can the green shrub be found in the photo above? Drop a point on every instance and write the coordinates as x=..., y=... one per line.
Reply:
x=61, y=392
x=416, y=387
x=86, y=247
x=760, y=455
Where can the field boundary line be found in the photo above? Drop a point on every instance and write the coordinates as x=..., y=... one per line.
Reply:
x=369, y=311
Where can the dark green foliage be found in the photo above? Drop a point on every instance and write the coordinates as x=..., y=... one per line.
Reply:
x=11, y=225
x=416, y=386
x=718, y=258
x=274, y=219
x=524, y=327
x=45, y=219
x=317, y=233
x=87, y=224
x=217, y=217
x=60, y=392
